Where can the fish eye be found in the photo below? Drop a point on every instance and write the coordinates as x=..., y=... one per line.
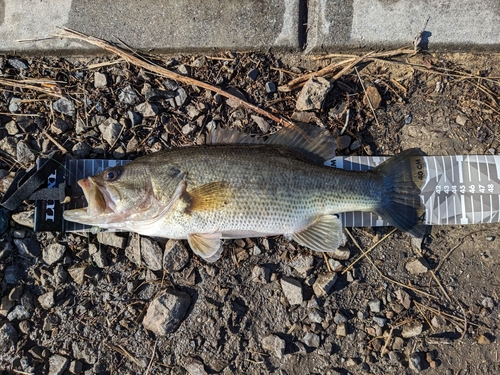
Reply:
x=111, y=174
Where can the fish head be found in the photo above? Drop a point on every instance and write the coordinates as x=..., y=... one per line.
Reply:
x=125, y=194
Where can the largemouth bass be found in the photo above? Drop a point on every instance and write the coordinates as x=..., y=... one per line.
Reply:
x=240, y=187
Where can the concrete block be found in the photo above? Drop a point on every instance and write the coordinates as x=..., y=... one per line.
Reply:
x=375, y=24
x=164, y=26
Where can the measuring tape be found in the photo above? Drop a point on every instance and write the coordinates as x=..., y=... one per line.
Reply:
x=459, y=189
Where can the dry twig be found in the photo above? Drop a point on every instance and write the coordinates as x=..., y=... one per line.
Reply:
x=141, y=62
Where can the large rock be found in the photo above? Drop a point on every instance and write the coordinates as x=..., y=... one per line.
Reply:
x=166, y=312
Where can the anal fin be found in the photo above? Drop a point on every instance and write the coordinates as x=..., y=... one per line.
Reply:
x=206, y=245
x=325, y=234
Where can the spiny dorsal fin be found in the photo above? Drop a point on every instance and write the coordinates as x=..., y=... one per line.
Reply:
x=207, y=197
x=312, y=141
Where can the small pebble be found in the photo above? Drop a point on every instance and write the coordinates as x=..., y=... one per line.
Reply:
x=380, y=321
x=302, y=264
x=47, y=300
x=343, y=142
x=293, y=290
x=488, y=302
x=151, y=253
x=180, y=97
x=261, y=274
x=53, y=253
x=8, y=337
x=341, y=330
x=362, y=314
x=100, y=80
x=335, y=265
x=438, y=321
x=339, y=318
x=415, y=362
x=408, y=119
x=355, y=145
x=270, y=87
x=112, y=239
x=188, y=129
x=253, y=74
x=195, y=367
x=324, y=283
x=311, y=339
x=374, y=305
x=64, y=106
x=146, y=109
x=461, y=120
x=57, y=364
x=27, y=247
x=166, y=312
x=261, y=123
x=483, y=340
x=127, y=95
x=313, y=94
x=175, y=256
x=17, y=64
x=275, y=345
x=341, y=254
x=14, y=104
x=412, y=329
x=417, y=266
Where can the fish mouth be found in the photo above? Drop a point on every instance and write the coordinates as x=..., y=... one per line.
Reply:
x=99, y=203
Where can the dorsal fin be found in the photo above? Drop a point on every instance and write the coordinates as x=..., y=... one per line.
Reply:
x=312, y=141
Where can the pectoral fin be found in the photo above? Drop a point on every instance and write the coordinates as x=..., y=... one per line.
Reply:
x=207, y=197
x=206, y=245
x=325, y=234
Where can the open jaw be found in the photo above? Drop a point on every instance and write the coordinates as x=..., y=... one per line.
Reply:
x=99, y=205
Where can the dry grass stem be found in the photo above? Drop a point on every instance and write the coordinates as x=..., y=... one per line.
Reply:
x=425, y=317
x=152, y=358
x=53, y=90
x=120, y=349
x=141, y=62
x=52, y=139
x=365, y=253
x=416, y=290
x=367, y=97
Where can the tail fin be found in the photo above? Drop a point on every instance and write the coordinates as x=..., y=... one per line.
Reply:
x=403, y=177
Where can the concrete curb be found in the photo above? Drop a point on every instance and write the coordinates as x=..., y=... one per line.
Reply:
x=279, y=25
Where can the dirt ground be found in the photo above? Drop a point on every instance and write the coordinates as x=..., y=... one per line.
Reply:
x=442, y=321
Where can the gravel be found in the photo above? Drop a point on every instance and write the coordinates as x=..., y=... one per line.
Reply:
x=228, y=309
